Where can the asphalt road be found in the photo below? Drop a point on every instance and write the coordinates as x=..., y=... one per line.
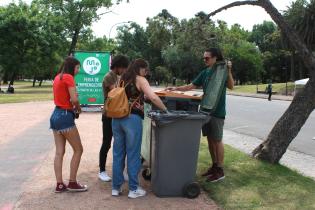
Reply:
x=256, y=117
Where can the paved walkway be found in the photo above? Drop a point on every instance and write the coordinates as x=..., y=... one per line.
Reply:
x=26, y=166
x=24, y=143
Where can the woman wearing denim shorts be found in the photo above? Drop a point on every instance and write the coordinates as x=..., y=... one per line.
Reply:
x=63, y=126
x=127, y=131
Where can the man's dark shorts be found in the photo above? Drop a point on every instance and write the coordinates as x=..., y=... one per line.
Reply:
x=213, y=128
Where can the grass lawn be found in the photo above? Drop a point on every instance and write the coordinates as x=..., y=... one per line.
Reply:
x=24, y=92
x=253, y=184
x=276, y=87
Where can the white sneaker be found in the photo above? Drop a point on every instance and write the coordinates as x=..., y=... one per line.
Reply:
x=104, y=176
x=116, y=192
x=139, y=192
x=126, y=177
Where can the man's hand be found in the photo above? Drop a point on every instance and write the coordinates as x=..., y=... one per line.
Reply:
x=230, y=83
x=229, y=65
x=170, y=89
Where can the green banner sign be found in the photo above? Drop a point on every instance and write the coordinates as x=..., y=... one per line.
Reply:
x=94, y=66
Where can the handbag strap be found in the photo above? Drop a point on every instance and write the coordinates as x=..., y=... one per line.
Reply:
x=122, y=84
x=133, y=103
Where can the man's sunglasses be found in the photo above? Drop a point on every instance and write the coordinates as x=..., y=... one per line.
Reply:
x=206, y=58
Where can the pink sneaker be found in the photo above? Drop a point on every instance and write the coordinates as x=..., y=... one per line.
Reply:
x=74, y=186
x=61, y=187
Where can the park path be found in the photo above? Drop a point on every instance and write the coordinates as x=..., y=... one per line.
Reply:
x=26, y=166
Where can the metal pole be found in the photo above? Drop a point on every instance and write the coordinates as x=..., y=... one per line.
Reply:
x=286, y=81
x=257, y=49
x=256, y=82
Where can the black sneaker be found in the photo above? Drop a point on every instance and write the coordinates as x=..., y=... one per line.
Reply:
x=210, y=170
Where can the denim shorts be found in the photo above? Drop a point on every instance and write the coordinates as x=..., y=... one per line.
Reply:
x=62, y=120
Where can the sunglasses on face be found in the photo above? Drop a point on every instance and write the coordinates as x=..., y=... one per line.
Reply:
x=206, y=58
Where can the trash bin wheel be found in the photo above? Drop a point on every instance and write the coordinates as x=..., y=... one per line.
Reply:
x=146, y=174
x=192, y=190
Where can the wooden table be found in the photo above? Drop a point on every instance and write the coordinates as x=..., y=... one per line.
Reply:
x=178, y=94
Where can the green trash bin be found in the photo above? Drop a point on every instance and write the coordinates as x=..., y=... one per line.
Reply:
x=174, y=152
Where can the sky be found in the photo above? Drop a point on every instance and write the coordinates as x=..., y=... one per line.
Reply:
x=138, y=11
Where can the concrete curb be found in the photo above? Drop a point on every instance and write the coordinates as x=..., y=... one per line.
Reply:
x=263, y=96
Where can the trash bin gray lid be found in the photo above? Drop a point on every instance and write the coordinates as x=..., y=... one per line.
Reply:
x=158, y=115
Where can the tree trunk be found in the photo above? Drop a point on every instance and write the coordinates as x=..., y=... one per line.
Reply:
x=34, y=81
x=5, y=78
x=74, y=41
x=292, y=70
x=291, y=122
x=51, y=73
x=40, y=82
x=300, y=70
x=76, y=32
x=303, y=52
x=288, y=126
x=12, y=79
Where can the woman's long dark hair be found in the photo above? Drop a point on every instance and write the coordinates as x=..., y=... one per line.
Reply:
x=133, y=70
x=68, y=66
